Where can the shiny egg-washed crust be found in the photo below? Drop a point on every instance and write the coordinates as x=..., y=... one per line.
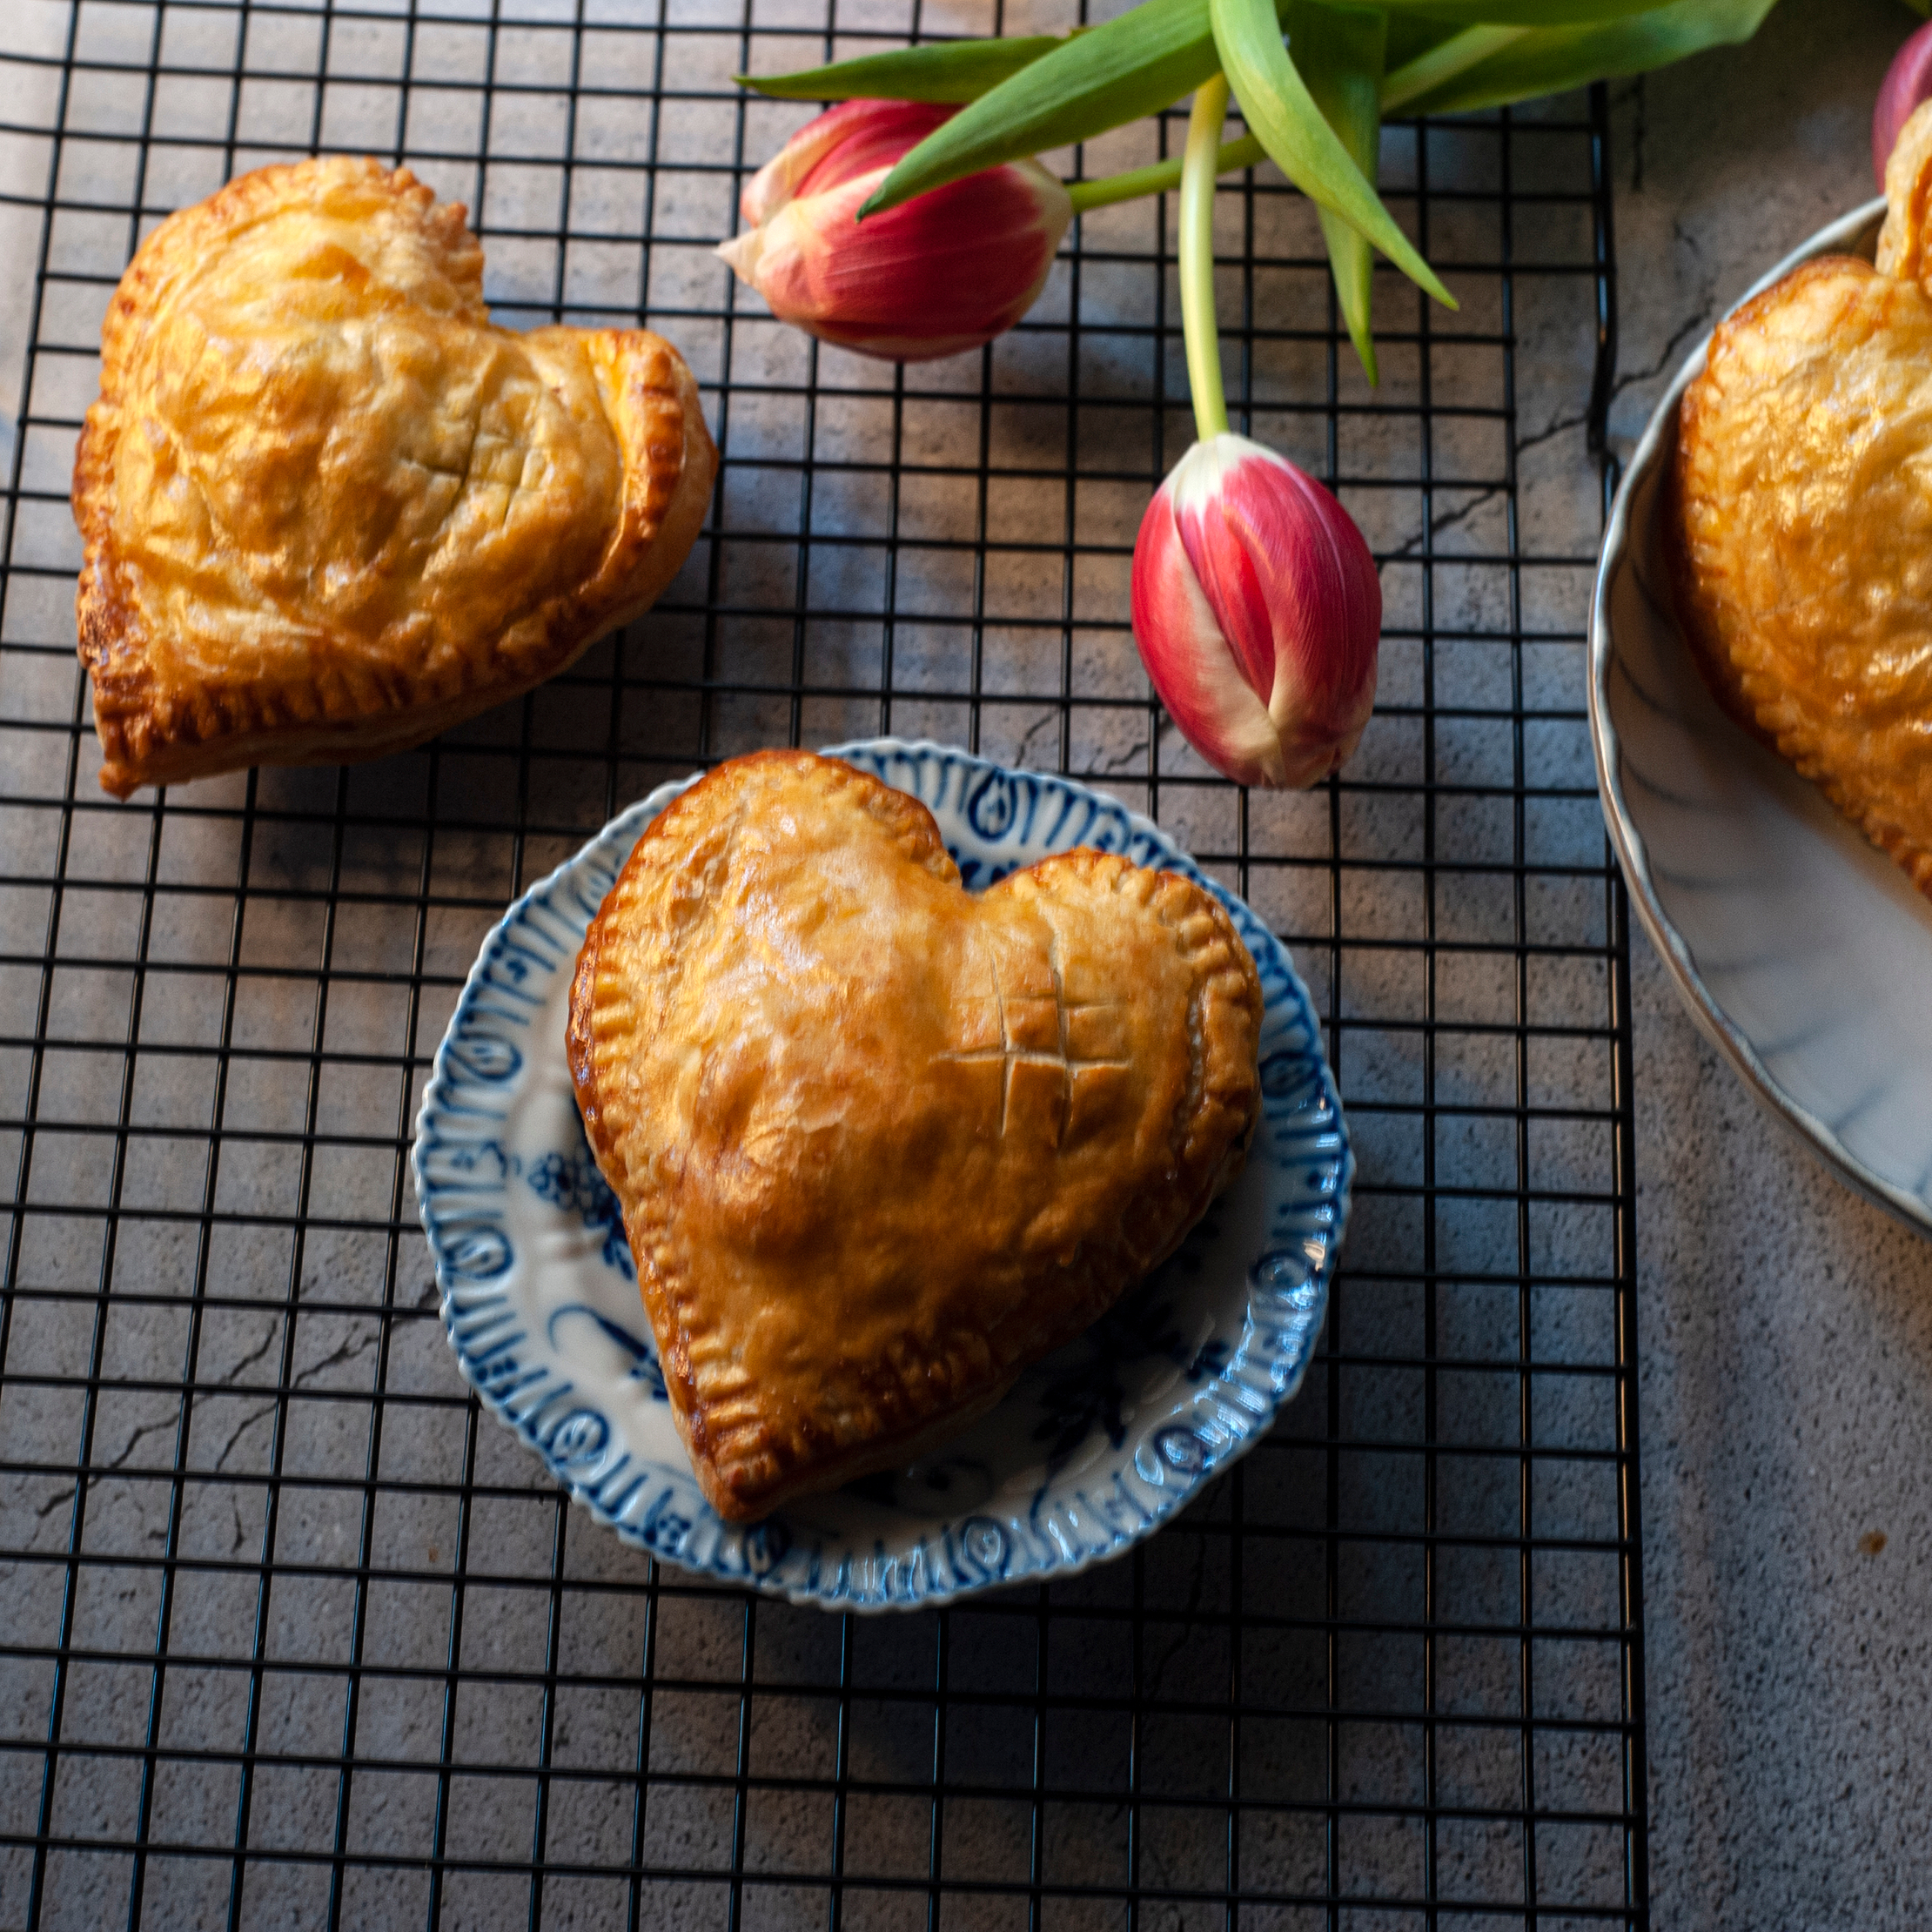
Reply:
x=1802, y=506
x=880, y=1143
x=328, y=509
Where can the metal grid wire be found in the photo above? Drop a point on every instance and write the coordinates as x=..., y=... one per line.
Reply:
x=292, y=1632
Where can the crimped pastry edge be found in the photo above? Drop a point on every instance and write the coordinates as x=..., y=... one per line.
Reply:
x=150, y=738
x=1723, y=677
x=744, y=1479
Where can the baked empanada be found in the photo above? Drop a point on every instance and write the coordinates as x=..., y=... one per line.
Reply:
x=880, y=1143
x=328, y=509
x=1804, y=511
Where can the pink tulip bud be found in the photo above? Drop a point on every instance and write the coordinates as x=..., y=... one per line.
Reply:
x=1908, y=81
x=1257, y=612
x=945, y=271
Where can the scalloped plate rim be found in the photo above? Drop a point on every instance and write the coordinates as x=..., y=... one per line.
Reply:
x=876, y=751
x=1633, y=853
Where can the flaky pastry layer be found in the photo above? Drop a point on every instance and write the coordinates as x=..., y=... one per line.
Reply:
x=330, y=509
x=880, y=1143
x=1803, y=510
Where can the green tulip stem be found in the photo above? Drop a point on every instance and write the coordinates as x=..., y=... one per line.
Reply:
x=1158, y=177
x=1197, y=253
x=1454, y=56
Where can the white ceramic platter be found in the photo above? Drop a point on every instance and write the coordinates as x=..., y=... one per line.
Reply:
x=1801, y=950
x=1090, y=1451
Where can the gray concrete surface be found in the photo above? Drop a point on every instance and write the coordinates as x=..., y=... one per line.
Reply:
x=1787, y=1340
x=1785, y=1326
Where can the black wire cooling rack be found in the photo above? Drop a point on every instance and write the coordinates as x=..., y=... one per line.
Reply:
x=292, y=1632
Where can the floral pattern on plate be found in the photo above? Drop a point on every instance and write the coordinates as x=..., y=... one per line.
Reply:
x=1092, y=1448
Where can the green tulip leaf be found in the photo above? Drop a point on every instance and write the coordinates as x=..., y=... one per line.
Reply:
x=1410, y=35
x=1137, y=65
x=949, y=70
x=1338, y=52
x=961, y=70
x=1552, y=60
x=1280, y=110
x=1429, y=72
x=1523, y=13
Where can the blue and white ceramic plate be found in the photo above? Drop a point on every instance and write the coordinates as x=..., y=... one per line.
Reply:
x=1091, y=1450
x=1802, y=952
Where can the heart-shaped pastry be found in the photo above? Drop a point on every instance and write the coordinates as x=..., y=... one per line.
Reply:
x=1804, y=510
x=880, y=1143
x=329, y=508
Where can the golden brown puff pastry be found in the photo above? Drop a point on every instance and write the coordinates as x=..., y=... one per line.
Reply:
x=329, y=508
x=1804, y=509
x=880, y=1143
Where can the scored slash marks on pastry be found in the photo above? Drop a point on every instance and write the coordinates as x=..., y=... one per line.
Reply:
x=1091, y=1450
x=421, y=515
x=1025, y=1033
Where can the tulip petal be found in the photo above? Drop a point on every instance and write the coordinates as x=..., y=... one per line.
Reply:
x=1138, y=63
x=743, y=252
x=1252, y=589
x=777, y=181
x=850, y=140
x=1213, y=532
x=872, y=136
x=1188, y=662
x=946, y=273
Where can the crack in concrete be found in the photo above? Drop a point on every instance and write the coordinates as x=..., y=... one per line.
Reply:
x=1558, y=425
x=1668, y=354
x=241, y=1429
x=346, y=1352
x=1156, y=1873
x=1052, y=718
x=1153, y=1865
x=1032, y=731
x=355, y=1345
x=1555, y=428
x=1449, y=518
x=1197, y=1585
x=248, y=1361
x=53, y=1502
